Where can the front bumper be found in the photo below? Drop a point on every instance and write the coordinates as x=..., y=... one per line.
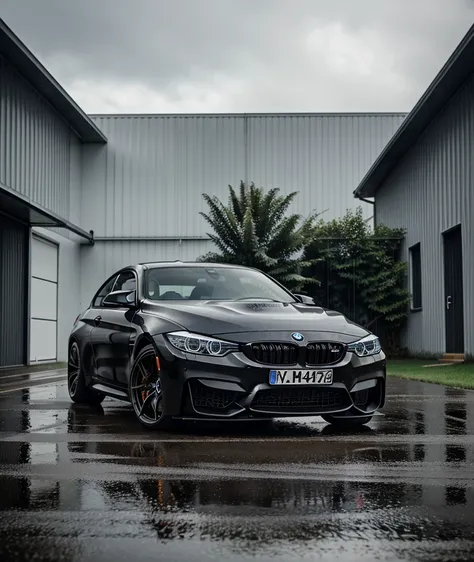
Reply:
x=235, y=388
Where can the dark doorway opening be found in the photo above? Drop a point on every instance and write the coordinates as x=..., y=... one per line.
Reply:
x=13, y=291
x=453, y=291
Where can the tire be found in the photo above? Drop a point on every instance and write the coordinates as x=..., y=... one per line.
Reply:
x=145, y=392
x=79, y=392
x=346, y=423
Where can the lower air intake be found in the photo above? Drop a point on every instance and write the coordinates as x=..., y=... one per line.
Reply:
x=361, y=397
x=207, y=400
x=299, y=400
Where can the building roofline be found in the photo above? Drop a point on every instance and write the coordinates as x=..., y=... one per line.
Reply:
x=446, y=84
x=274, y=114
x=24, y=209
x=16, y=53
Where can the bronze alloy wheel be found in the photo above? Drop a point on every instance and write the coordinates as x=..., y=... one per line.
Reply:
x=145, y=389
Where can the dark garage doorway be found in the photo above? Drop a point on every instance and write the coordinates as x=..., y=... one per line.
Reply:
x=453, y=291
x=14, y=238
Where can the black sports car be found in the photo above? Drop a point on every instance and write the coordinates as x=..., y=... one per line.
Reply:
x=221, y=342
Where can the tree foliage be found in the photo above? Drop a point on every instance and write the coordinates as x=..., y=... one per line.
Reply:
x=344, y=263
x=360, y=273
x=254, y=230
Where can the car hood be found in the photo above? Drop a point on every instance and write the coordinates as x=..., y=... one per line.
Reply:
x=221, y=318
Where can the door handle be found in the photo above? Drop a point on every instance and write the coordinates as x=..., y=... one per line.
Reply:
x=448, y=302
x=97, y=320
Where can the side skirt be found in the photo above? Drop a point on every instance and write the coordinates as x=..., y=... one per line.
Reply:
x=112, y=392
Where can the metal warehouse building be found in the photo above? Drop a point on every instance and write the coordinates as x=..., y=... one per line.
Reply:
x=424, y=181
x=81, y=196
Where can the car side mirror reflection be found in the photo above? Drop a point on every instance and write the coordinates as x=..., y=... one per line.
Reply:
x=304, y=299
x=120, y=298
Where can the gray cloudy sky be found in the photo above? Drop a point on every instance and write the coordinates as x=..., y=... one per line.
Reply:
x=154, y=56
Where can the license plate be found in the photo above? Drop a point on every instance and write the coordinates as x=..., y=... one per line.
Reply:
x=281, y=377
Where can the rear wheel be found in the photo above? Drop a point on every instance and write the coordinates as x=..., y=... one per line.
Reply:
x=145, y=390
x=346, y=422
x=76, y=384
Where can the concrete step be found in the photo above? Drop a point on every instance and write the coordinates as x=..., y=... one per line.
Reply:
x=452, y=358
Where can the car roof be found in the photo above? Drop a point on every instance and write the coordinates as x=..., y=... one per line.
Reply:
x=179, y=263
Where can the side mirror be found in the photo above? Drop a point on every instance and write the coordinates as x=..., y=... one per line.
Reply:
x=304, y=299
x=120, y=298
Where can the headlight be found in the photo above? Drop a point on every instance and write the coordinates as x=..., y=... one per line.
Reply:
x=201, y=345
x=370, y=345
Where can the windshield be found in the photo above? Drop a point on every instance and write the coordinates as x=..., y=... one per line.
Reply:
x=211, y=283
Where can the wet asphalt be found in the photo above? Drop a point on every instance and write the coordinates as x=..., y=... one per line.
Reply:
x=78, y=483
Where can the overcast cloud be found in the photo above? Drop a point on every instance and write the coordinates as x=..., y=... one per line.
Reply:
x=159, y=56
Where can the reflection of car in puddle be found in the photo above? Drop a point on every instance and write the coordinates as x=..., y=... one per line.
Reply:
x=245, y=496
x=251, y=511
x=251, y=497
x=209, y=489
x=221, y=510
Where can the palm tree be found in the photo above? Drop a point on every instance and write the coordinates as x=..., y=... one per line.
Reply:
x=253, y=230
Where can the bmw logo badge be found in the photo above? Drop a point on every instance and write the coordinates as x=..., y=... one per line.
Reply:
x=297, y=336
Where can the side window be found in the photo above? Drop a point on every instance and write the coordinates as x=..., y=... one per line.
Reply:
x=126, y=281
x=415, y=255
x=103, y=291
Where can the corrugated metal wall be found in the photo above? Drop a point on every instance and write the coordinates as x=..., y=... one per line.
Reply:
x=41, y=158
x=35, y=144
x=321, y=156
x=149, y=179
x=13, y=291
x=429, y=192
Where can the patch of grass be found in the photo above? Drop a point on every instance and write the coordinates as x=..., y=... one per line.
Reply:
x=459, y=376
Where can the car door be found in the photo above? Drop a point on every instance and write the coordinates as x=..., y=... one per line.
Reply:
x=92, y=313
x=111, y=335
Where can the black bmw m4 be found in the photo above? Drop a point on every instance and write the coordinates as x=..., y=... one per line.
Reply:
x=201, y=341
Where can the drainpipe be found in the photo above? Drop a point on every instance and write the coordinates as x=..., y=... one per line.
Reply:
x=370, y=203
x=246, y=143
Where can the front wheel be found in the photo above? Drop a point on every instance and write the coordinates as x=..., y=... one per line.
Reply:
x=346, y=423
x=79, y=392
x=145, y=390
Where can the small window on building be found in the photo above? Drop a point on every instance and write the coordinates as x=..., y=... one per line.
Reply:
x=415, y=265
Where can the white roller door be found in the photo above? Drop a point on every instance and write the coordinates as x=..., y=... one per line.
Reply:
x=44, y=300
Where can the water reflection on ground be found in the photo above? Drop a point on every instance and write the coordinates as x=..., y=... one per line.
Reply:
x=91, y=484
